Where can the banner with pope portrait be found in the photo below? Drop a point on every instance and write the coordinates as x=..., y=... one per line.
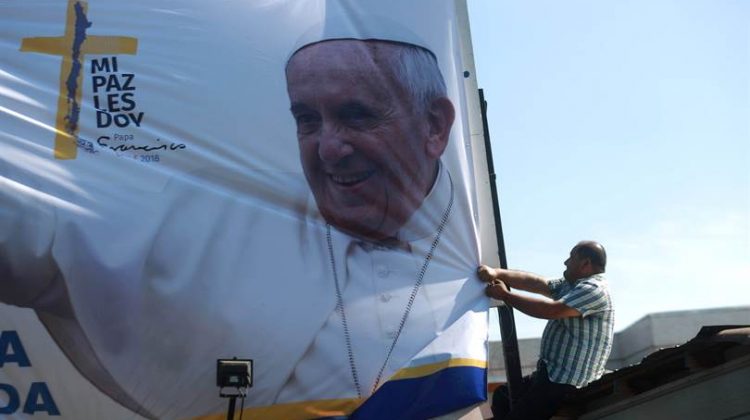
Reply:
x=300, y=183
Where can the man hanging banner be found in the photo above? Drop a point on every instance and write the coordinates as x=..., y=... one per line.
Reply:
x=292, y=182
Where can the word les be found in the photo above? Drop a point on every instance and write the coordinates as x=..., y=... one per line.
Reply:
x=114, y=95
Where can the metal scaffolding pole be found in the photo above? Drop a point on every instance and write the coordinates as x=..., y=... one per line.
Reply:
x=505, y=312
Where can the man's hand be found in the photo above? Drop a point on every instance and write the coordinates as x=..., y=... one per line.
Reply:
x=497, y=290
x=515, y=279
x=499, y=279
x=487, y=273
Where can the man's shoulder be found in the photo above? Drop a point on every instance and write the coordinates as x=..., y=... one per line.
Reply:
x=599, y=277
x=558, y=287
x=589, y=295
x=596, y=284
x=556, y=282
x=597, y=281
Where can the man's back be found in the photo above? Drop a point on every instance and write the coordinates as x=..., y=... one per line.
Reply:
x=577, y=348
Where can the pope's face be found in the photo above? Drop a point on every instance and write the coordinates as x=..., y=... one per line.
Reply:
x=366, y=150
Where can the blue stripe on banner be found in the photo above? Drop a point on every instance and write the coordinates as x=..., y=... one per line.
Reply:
x=428, y=396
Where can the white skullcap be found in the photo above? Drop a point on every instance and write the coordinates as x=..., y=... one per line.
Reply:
x=347, y=23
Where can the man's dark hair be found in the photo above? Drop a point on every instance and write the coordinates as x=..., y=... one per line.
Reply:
x=594, y=251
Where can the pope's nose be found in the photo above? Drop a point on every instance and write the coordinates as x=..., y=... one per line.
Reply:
x=333, y=147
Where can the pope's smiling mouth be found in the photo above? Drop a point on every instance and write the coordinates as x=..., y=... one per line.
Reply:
x=349, y=180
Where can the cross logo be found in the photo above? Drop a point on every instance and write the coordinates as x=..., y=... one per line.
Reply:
x=73, y=47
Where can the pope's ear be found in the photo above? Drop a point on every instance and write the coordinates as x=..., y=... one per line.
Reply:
x=440, y=116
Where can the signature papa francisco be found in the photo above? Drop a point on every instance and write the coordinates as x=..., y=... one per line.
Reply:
x=103, y=141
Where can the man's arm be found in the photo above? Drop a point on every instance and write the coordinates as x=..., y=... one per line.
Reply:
x=538, y=308
x=515, y=279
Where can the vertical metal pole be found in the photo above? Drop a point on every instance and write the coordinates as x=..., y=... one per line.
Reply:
x=232, y=403
x=505, y=312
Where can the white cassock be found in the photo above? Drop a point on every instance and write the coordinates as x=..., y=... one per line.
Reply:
x=376, y=283
x=162, y=285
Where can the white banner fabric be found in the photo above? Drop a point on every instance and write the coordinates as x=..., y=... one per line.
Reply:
x=291, y=182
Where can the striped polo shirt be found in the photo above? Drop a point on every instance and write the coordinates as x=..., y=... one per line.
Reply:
x=576, y=349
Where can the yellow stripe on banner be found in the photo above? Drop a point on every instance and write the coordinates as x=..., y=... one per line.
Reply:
x=424, y=370
x=296, y=411
x=342, y=407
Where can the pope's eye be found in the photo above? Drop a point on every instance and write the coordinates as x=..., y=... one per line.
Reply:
x=356, y=115
x=307, y=122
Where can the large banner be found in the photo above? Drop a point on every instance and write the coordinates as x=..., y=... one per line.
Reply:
x=292, y=182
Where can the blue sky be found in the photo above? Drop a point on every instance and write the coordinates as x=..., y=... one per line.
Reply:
x=626, y=122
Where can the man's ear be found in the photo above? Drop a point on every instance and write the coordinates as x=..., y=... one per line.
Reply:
x=587, y=266
x=440, y=116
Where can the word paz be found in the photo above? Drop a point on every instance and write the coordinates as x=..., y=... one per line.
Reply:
x=114, y=95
